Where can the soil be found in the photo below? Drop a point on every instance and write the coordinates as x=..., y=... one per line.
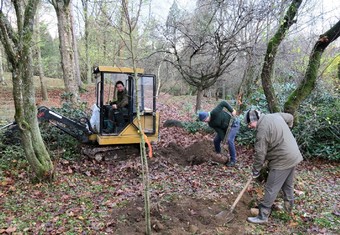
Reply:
x=189, y=210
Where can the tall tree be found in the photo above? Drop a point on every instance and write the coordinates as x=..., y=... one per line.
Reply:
x=208, y=43
x=249, y=61
x=76, y=54
x=273, y=45
x=172, y=19
x=107, y=37
x=2, y=77
x=122, y=28
x=17, y=41
x=308, y=83
x=67, y=50
x=50, y=53
x=88, y=66
x=44, y=94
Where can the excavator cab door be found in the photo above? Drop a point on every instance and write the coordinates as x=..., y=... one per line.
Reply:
x=146, y=96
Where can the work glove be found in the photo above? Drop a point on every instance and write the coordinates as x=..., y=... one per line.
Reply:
x=255, y=173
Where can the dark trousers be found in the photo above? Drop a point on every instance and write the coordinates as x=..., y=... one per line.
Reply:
x=231, y=140
x=117, y=116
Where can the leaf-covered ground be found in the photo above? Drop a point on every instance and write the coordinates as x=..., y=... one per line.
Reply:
x=187, y=190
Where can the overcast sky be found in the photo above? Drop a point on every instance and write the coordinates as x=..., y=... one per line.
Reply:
x=160, y=9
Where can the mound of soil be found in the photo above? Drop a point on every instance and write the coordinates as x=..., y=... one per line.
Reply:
x=196, y=154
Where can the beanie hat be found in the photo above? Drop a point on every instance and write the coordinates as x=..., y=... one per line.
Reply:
x=202, y=116
x=251, y=116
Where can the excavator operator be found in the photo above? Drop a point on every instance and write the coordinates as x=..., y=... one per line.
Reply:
x=117, y=109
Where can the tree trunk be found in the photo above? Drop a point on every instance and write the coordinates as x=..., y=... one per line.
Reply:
x=274, y=43
x=217, y=91
x=44, y=94
x=76, y=54
x=123, y=27
x=308, y=83
x=26, y=117
x=2, y=77
x=199, y=99
x=159, y=81
x=62, y=8
x=18, y=44
x=87, y=41
x=248, y=81
x=339, y=70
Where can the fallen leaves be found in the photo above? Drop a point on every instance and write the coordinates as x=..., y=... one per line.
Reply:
x=86, y=193
x=7, y=182
x=8, y=230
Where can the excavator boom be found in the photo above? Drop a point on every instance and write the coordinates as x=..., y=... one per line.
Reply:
x=79, y=130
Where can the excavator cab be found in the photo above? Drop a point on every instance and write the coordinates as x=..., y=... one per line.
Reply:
x=123, y=128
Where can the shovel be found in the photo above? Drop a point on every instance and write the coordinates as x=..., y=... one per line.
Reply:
x=227, y=216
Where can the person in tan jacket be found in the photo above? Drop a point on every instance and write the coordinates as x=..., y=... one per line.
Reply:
x=276, y=144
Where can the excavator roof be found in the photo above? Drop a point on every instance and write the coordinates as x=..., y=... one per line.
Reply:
x=111, y=69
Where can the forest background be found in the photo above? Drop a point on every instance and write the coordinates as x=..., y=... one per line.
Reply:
x=203, y=48
x=211, y=50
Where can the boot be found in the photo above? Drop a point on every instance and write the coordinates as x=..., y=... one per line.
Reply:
x=231, y=164
x=262, y=217
x=109, y=128
x=288, y=206
x=119, y=128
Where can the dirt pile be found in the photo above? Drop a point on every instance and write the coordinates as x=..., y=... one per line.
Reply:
x=196, y=154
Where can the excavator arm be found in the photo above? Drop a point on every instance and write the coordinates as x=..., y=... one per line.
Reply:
x=80, y=130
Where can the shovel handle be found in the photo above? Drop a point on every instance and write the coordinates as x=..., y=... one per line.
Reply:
x=240, y=194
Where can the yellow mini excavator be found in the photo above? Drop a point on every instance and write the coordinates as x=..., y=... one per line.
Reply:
x=142, y=89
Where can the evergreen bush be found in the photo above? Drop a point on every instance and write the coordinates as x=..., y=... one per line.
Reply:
x=317, y=130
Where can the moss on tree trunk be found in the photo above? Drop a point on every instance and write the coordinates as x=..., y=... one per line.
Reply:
x=18, y=44
x=308, y=83
x=269, y=59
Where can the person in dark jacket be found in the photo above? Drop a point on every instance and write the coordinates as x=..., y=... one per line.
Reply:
x=222, y=122
x=276, y=144
x=118, y=108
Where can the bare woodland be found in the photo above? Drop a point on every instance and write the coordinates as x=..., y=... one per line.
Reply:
x=271, y=55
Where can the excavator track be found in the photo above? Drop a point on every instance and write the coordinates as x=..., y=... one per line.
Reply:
x=113, y=152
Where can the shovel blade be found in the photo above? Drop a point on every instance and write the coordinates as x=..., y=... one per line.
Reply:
x=225, y=217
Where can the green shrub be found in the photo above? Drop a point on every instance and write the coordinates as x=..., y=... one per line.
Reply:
x=10, y=144
x=196, y=126
x=12, y=153
x=58, y=141
x=318, y=121
x=245, y=136
x=318, y=128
